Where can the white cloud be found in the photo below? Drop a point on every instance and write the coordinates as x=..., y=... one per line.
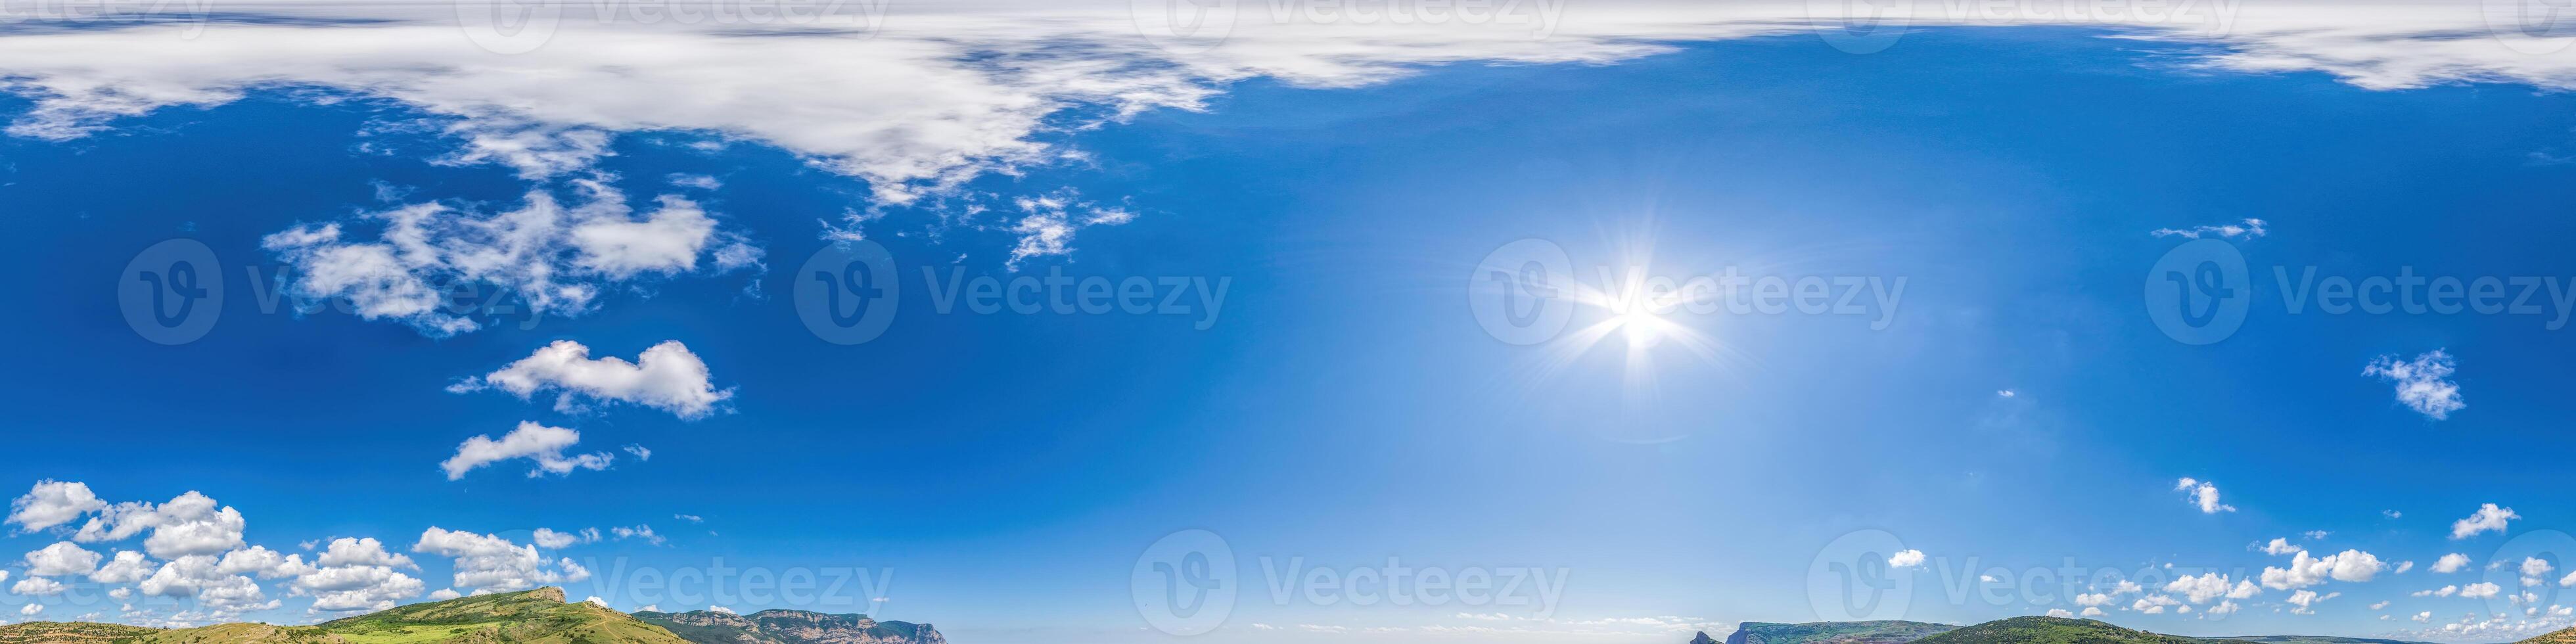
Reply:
x=2488, y=518
x=666, y=377
x=692, y=518
x=444, y=594
x=2306, y=601
x=2379, y=605
x=2224, y=607
x=555, y=258
x=2280, y=546
x=720, y=609
x=645, y=533
x=2060, y=612
x=2422, y=383
x=51, y=503
x=2153, y=604
x=491, y=563
x=37, y=587
x=2249, y=228
x=126, y=567
x=202, y=577
x=2202, y=494
x=2304, y=571
x=2207, y=586
x=1905, y=559
x=2391, y=513
x=2096, y=611
x=367, y=551
x=262, y=562
x=2453, y=562
x=550, y=539
x=357, y=587
x=62, y=558
x=2404, y=566
x=539, y=443
x=190, y=524
x=31, y=610
x=2480, y=590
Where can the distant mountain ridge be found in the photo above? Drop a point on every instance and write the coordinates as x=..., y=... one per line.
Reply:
x=790, y=627
x=2019, y=630
x=1876, y=632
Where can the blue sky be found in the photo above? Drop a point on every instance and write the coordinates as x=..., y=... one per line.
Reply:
x=2013, y=411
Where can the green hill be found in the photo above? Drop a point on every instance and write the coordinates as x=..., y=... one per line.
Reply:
x=2563, y=636
x=532, y=617
x=1878, y=632
x=2053, y=630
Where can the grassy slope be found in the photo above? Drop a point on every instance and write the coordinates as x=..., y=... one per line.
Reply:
x=95, y=633
x=2566, y=636
x=2054, y=630
x=533, y=617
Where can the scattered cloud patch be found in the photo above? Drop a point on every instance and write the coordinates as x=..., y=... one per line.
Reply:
x=666, y=377
x=2423, y=384
x=541, y=444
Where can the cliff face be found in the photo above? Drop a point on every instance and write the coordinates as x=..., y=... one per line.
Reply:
x=790, y=627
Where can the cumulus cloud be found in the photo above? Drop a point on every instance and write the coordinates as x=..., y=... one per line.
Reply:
x=2488, y=518
x=2453, y=562
x=37, y=587
x=190, y=524
x=2061, y=613
x=2304, y=571
x=62, y=558
x=2480, y=590
x=202, y=577
x=51, y=503
x=2248, y=228
x=541, y=444
x=2202, y=494
x=2423, y=384
x=1905, y=559
x=2207, y=586
x=553, y=257
x=666, y=377
x=485, y=562
x=2280, y=546
x=126, y=567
